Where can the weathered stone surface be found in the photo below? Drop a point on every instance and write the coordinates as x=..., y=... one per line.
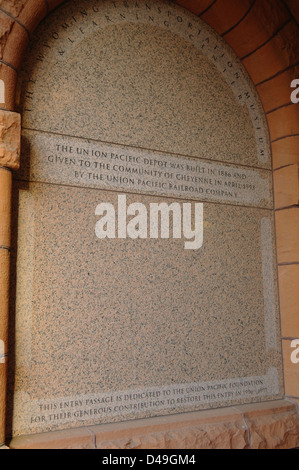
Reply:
x=6, y=24
x=221, y=428
x=269, y=425
x=291, y=369
x=289, y=300
x=196, y=6
x=9, y=78
x=248, y=34
x=53, y=4
x=80, y=438
x=15, y=46
x=267, y=61
x=14, y=7
x=272, y=425
x=144, y=105
x=284, y=121
x=10, y=128
x=294, y=7
x=3, y=374
x=286, y=186
x=153, y=87
x=33, y=12
x=224, y=15
x=287, y=227
x=285, y=151
x=5, y=207
x=14, y=34
x=230, y=435
x=275, y=93
x=4, y=297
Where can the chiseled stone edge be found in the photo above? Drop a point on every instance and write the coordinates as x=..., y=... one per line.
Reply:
x=268, y=425
x=10, y=139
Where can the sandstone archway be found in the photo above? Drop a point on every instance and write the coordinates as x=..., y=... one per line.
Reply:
x=264, y=35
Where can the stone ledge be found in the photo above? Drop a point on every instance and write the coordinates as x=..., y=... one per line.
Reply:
x=265, y=425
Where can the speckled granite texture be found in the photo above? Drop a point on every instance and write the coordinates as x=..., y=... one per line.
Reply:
x=116, y=329
x=116, y=75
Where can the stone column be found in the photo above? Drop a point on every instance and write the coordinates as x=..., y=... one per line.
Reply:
x=10, y=132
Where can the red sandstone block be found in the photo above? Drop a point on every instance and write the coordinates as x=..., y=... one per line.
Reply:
x=3, y=375
x=291, y=369
x=294, y=7
x=78, y=438
x=277, y=91
x=196, y=6
x=276, y=55
x=33, y=12
x=274, y=426
x=13, y=7
x=6, y=24
x=15, y=46
x=224, y=14
x=263, y=20
x=54, y=3
x=289, y=300
x=287, y=230
x=9, y=77
x=284, y=121
x=286, y=186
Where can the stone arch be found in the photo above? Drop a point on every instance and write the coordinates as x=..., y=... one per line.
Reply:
x=265, y=36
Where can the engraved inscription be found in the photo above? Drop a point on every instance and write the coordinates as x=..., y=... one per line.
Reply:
x=92, y=164
x=106, y=407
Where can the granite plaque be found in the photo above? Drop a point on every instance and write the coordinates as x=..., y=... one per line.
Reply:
x=140, y=99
